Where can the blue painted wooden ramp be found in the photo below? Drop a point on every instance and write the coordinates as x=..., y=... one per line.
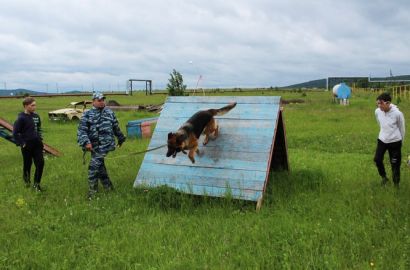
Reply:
x=237, y=163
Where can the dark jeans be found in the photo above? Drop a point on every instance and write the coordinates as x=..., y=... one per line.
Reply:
x=395, y=158
x=33, y=151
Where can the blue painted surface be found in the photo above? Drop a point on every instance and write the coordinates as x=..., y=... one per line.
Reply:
x=235, y=163
x=343, y=91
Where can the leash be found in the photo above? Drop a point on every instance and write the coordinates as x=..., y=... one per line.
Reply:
x=122, y=156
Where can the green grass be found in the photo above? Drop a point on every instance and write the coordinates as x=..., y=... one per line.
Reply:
x=328, y=213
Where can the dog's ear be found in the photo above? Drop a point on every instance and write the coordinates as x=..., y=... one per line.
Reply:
x=170, y=135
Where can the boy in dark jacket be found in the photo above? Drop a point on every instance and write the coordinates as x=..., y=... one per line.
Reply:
x=27, y=134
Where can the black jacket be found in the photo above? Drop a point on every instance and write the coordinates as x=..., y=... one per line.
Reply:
x=27, y=128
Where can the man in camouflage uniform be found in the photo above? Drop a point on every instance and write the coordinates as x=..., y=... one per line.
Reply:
x=96, y=132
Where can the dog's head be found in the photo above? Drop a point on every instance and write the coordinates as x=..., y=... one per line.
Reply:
x=175, y=144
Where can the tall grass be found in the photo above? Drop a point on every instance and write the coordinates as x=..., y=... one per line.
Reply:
x=329, y=212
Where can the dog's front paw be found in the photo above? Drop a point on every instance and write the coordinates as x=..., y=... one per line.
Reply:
x=192, y=160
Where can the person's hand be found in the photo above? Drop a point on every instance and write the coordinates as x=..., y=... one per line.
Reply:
x=23, y=146
x=89, y=147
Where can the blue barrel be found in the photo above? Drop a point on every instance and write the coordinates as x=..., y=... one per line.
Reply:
x=134, y=129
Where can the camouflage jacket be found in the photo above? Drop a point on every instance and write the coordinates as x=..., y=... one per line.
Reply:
x=98, y=127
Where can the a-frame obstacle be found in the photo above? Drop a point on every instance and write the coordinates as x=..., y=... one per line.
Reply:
x=251, y=144
x=9, y=127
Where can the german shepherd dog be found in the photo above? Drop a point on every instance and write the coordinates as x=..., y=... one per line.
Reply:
x=186, y=137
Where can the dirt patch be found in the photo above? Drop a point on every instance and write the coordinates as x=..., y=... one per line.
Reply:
x=292, y=101
x=113, y=103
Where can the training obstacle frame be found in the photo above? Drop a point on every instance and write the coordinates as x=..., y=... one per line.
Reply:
x=251, y=144
x=7, y=126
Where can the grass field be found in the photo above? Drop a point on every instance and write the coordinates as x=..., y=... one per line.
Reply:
x=330, y=212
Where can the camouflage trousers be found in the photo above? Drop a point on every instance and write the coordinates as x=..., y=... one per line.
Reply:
x=97, y=171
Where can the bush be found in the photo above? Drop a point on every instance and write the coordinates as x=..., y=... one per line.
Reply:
x=175, y=86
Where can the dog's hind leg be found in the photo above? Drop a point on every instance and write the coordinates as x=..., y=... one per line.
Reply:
x=209, y=129
x=206, y=131
x=192, y=152
x=216, y=130
x=199, y=153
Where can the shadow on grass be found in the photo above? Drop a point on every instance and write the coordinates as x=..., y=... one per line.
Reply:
x=281, y=186
x=284, y=185
x=166, y=199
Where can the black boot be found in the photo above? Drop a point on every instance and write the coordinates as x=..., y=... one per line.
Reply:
x=26, y=179
x=27, y=184
x=37, y=187
x=92, y=191
x=110, y=187
x=384, y=181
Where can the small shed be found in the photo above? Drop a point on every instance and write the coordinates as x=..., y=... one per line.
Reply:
x=251, y=144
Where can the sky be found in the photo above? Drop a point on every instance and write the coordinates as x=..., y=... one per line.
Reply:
x=53, y=45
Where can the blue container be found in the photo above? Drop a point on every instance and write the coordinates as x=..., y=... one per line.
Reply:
x=135, y=128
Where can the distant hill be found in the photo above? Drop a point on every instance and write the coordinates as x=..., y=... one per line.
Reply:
x=75, y=92
x=321, y=83
x=401, y=77
x=17, y=92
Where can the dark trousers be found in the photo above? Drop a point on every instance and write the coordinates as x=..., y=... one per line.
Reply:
x=33, y=151
x=395, y=158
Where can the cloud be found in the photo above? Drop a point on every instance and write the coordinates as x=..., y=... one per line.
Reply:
x=80, y=44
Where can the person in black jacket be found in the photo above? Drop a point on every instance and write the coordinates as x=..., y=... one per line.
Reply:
x=27, y=134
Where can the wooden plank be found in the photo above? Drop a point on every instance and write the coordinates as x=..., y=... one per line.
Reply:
x=244, y=134
x=235, y=143
x=215, y=153
x=204, y=172
x=226, y=99
x=6, y=124
x=268, y=125
x=184, y=179
x=241, y=111
x=208, y=161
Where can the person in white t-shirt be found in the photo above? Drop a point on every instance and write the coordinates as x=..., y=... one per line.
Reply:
x=391, y=136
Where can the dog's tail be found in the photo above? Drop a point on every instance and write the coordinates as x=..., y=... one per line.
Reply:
x=224, y=110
